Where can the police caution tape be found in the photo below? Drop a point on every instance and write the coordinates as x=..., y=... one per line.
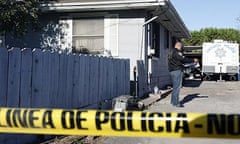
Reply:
x=109, y=123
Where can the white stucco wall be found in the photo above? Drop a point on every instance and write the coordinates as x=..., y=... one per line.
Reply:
x=129, y=40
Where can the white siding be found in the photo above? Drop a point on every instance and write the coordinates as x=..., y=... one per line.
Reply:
x=123, y=37
x=111, y=23
x=130, y=40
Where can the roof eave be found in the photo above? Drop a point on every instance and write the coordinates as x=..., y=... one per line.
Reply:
x=171, y=20
x=179, y=21
x=178, y=27
x=101, y=6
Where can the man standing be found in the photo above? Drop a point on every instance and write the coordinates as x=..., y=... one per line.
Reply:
x=176, y=62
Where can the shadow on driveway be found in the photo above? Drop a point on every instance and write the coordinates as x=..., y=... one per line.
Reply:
x=190, y=97
x=192, y=83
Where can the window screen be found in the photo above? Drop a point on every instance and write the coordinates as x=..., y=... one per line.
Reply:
x=88, y=36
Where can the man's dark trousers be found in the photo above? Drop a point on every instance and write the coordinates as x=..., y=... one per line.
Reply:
x=176, y=77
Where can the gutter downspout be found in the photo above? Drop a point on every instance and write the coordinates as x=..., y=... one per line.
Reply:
x=148, y=45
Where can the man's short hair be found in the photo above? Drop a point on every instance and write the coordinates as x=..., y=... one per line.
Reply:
x=179, y=41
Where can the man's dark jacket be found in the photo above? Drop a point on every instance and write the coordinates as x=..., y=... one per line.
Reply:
x=176, y=59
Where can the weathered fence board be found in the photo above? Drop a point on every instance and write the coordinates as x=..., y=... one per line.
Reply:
x=121, y=81
x=69, y=82
x=82, y=75
x=111, y=78
x=101, y=79
x=26, y=78
x=117, y=71
x=114, y=80
x=37, y=79
x=94, y=77
x=54, y=79
x=46, y=71
x=76, y=102
x=14, y=77
x=62, y=81
x=127, y=77
x=41, y=78
x=86, y=81
x=3, y=76
x=142, y=78
x=105, y=94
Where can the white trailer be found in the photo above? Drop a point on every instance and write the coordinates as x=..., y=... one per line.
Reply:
x=220, y=60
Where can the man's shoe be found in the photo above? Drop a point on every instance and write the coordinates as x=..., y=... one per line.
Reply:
x=179, y=105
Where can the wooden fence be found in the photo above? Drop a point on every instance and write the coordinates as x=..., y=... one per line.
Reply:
x=41, y=78
x=142, y=79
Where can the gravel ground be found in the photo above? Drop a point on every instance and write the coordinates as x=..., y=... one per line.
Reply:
x=207, y=97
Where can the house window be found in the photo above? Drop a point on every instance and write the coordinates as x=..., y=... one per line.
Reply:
x=88, y=36
x=166, y=38
x=156, y=39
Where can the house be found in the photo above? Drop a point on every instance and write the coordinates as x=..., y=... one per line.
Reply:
x=136, y=29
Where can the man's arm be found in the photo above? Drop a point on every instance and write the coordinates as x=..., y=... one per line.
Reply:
x=179, y=56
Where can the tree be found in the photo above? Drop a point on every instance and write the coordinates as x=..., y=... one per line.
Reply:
x=19, y=16
x=209, y=34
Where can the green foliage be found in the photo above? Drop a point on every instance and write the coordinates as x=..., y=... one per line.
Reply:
x=19, y=16
x=209, y=34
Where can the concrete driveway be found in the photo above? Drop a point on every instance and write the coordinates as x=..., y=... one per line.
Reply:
x=197, y=96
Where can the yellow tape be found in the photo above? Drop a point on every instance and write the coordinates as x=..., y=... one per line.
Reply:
x=109, y=123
